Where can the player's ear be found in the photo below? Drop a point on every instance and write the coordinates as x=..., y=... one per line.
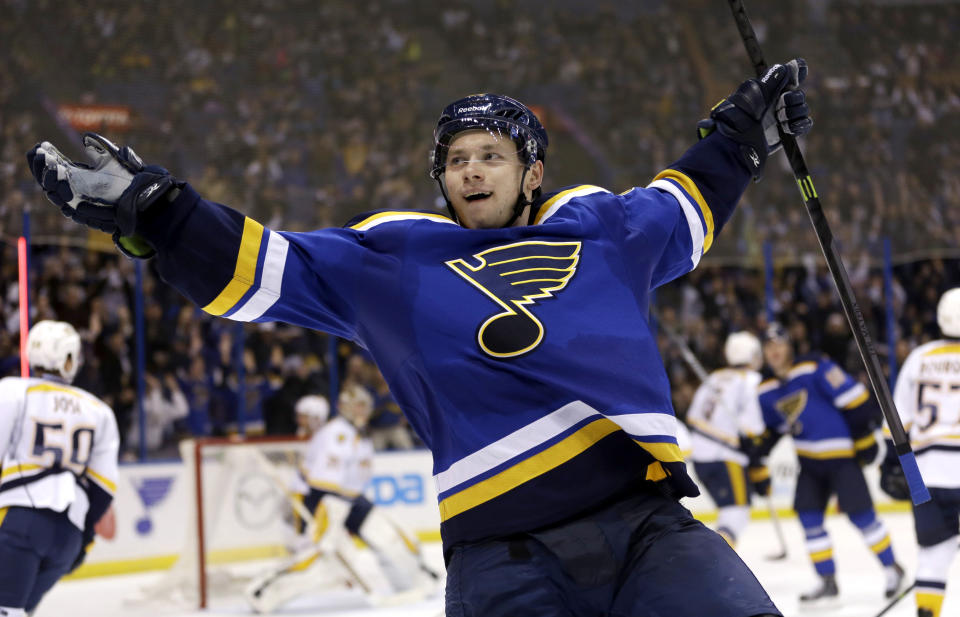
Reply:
x=534, y=177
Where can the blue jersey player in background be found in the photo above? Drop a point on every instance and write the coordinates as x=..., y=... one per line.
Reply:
x=832, y=419
x=512, y=333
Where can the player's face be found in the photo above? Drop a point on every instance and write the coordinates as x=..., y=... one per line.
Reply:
x=483, y=179
x=778, y=355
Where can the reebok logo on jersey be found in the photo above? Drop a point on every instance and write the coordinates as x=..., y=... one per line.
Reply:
x=515, y=276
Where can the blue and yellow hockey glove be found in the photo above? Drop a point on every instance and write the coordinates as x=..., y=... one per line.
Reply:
x=108, y=194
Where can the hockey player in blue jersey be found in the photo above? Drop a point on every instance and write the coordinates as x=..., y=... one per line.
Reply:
x=513, y=335
x=832, y=419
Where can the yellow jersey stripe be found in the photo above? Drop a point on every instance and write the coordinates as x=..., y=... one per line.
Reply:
x=943, y=350
x=245, y=272
x=19, y=469
x=688, y=185
x=736, y=482
x=860, y=400
x=108, y=484
x=52, y=387
x=528, y=469
x=331, y=487
x=3, y=515
x=841, y=453
x=547, y=204
x=665, y=452
x=802, y=369
x=865, y=442
x=397, y=215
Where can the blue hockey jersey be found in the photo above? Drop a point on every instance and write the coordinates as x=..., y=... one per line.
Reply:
x=815, y=402
x=521, y=356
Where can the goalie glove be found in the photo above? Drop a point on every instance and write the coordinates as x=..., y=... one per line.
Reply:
x=110, y=193
x=754, y=115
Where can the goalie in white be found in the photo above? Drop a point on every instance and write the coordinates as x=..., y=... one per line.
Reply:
x=337, y=466
x=58, y=447
x=725, y=410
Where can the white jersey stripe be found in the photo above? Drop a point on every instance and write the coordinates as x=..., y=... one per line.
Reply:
x=517, y=442
x=849, y=396
x=690, y=212
x=271, y=280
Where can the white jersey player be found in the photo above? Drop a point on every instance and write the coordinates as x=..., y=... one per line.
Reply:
x=58, y=446
x=337, y=466
x=725, y=408
x=927, y=396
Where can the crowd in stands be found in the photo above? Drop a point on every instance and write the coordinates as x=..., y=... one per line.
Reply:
x=303, y=114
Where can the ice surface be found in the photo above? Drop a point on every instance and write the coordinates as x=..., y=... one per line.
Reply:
x=858, y=573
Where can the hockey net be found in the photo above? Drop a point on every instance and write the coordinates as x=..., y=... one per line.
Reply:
x=241, y=515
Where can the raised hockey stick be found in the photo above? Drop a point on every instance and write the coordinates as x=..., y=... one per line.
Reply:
x=918, y=491
x=900, y=596
x=694, y=363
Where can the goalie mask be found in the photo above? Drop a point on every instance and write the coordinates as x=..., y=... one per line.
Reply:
x=355, y=404
x=503, y=118
x=53, y=347
x=948, y=313
x=743, y=349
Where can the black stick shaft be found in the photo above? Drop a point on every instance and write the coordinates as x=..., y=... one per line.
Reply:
x=896, y=600
x=851, y=309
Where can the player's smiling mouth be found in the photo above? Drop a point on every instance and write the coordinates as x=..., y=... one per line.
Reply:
x=477, y=196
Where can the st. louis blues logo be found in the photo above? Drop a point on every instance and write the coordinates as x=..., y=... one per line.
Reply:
x=792, y=405
x=515, y=276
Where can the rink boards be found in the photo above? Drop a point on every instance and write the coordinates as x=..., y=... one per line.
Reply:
x=154, y=505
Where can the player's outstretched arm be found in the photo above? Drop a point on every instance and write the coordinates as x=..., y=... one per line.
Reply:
x=226, y=263
x=735, y=141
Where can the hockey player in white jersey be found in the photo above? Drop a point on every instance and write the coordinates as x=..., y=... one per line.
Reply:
x=337, y=466
x=725, y=410
x=927, y=396
x=59, y=448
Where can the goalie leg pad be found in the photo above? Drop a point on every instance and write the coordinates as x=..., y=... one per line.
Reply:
x=398, y=554
x=311, y=570
x=731, y=520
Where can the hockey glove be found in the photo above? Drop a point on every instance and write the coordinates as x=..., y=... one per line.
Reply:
x=760, y=480
x=893, y=482
x=754, y=115
x=108, y=194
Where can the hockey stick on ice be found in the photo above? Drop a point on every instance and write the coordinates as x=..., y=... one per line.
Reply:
x=694, y=363
x=776, y=527
x=900, y=596
x=918, y=491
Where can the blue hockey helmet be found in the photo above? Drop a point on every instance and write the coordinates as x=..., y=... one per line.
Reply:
x=776, y=332
x=494, y=113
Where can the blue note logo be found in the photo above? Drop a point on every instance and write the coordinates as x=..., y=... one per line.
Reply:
x=516, y=276
x=151, y=492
